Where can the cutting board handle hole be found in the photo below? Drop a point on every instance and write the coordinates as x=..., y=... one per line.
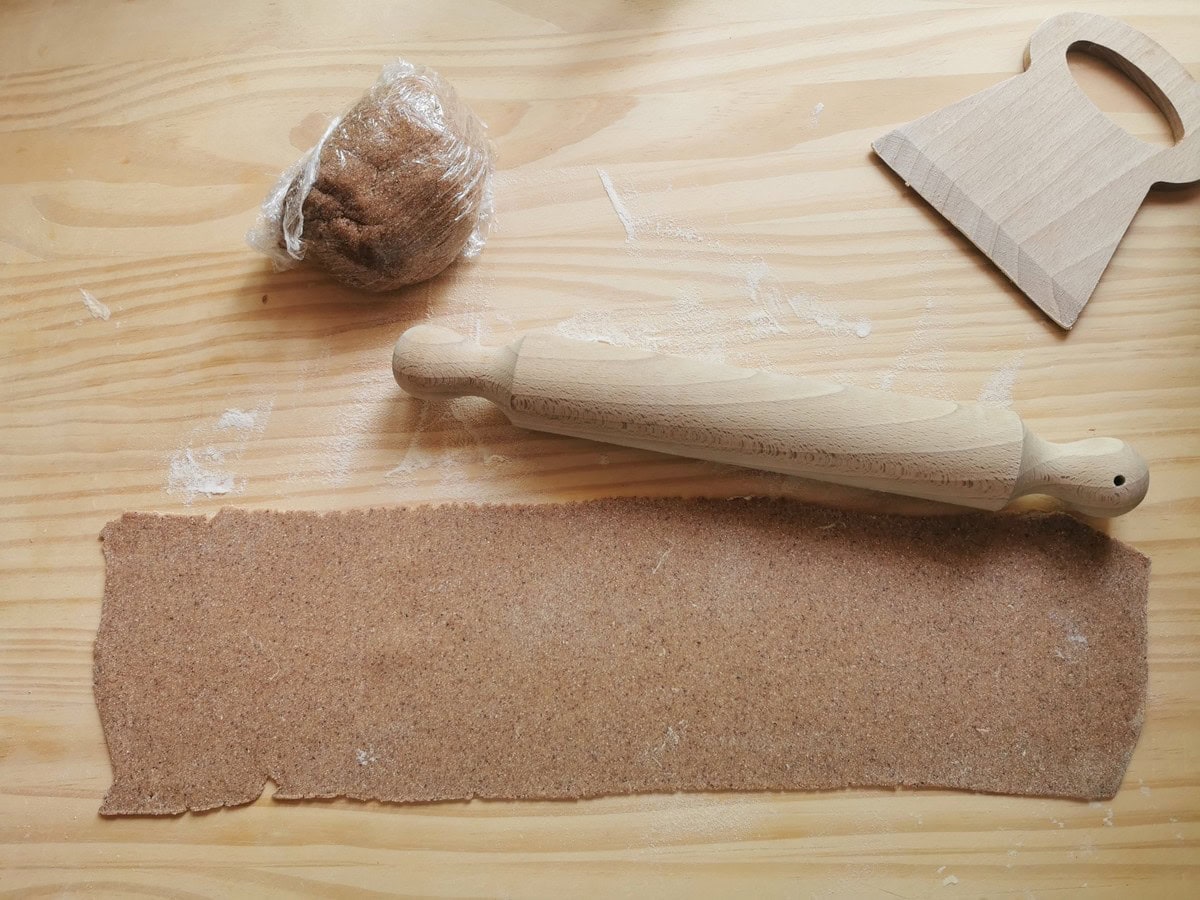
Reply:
x=1140, y=109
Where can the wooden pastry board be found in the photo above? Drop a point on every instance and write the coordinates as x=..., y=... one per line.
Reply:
x=136, y=141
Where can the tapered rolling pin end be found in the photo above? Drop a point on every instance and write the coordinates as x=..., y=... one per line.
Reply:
x=1100, y=477
x=436, y=363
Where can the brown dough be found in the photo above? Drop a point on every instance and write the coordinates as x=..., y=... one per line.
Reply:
x=616, y=646
x=401, y=185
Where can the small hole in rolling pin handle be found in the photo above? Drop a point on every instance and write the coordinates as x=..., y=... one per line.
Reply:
x=1119, y=480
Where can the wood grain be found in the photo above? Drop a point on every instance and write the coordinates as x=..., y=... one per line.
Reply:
x=1036, y=175
x=136, y=141
x=970, y=454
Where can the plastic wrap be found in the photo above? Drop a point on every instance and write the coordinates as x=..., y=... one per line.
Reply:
x=396, y=189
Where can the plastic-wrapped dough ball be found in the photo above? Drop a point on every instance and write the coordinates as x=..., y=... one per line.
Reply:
x=397, y=189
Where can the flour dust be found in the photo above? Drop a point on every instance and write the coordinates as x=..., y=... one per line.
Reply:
x=97, y=309
x=204, y=464
x=999, y=386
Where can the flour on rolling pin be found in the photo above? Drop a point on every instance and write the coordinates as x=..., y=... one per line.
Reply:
x=978, y=455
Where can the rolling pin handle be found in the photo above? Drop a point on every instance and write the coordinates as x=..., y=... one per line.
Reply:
x=968, y=454
x=435, y=363
x=1099, y=477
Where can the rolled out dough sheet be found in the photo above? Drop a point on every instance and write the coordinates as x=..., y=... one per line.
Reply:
x=613, y=647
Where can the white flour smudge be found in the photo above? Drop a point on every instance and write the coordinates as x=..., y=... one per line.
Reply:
x=686, y=328
x=772, y=307
x=248, y=421
x=448, y=440
x=468, y=313
x=94, y=306
x=999, y=387
x=825, y=318
x=689, y=328
x=373, y=391
x=654, y=224
x=686, y=819
x=815, y=118
x=235, y=419
x=669, y=228
x=201, y=467
x=764, y=289
x=921, y=354
x=603, y=326
x=765, y=293
x=192, y=477
x=618, y=205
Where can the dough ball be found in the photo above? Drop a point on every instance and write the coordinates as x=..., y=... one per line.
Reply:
x=397, y=189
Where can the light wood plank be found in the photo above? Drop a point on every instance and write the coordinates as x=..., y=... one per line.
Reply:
x=135, y=143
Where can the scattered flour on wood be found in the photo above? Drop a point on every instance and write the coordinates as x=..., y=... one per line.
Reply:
x=618, y=205
x=687, y=327
x=202, y=466
x=94, y=306
x=470, y=312
x=234, y=419
x=644, y=225
x=692, y=819
x=416, y=457
x=194, y=473
x=771, y=308
x=815, y=117
x=764, y=289
x=669, y=228
x=921, y=354
x=447, y=441
x=999, y=386
x=822, y=315
x=605, y=327
x=356, y=422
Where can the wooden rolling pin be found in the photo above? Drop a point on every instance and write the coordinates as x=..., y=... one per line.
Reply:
x=973, y=454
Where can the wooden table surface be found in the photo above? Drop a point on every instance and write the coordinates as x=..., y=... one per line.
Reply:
x=136, y=140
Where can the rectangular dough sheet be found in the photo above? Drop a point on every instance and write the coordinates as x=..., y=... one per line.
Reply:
x=613, y=647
